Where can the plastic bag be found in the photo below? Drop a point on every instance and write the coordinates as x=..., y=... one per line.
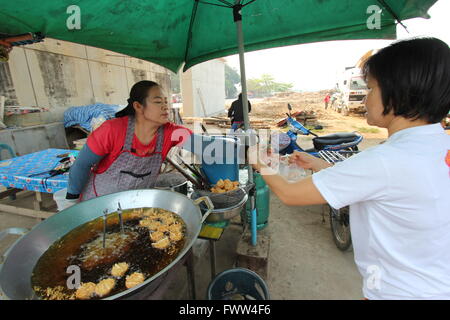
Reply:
x=290, y=171
x=97, y=122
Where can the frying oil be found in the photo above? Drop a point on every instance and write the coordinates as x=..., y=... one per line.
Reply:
x=83, y=247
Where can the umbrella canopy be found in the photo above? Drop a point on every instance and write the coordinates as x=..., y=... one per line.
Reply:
x=173, y=32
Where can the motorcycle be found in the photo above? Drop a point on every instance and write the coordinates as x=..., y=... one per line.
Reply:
x=332, y=148
x=343, y=142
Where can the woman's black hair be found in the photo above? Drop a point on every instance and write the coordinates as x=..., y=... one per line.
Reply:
x=139, y=93
x=414, y=78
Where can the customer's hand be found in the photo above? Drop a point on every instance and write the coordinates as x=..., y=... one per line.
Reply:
x=307, y=161
x=257, y=156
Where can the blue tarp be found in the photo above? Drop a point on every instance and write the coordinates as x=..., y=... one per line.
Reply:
x=83, y=115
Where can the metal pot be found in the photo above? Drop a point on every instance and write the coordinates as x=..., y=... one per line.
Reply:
x=224, y=214
x=218, y=215
x=20, y=259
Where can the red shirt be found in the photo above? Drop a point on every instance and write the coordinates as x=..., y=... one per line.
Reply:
x=109, y=139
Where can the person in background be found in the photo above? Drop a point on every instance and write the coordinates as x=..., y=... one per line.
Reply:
x=327, y=100
x=236, y=113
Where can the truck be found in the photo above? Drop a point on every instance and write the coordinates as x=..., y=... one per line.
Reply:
x=350, y=91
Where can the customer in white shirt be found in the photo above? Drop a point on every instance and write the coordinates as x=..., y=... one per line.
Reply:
x=398, y=192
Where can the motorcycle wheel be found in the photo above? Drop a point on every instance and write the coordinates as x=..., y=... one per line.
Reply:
x=340, y=228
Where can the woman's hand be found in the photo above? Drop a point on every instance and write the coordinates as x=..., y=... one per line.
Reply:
x=307, y=161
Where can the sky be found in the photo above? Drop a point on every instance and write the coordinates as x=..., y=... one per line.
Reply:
x=317, y=66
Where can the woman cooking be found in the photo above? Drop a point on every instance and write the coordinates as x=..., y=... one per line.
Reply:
x=127, y=151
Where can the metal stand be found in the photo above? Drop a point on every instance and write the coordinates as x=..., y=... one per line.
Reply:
x=212, y=255
x=190, y=274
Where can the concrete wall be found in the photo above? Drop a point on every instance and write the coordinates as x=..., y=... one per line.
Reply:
x=57, y=75
x=203, y=86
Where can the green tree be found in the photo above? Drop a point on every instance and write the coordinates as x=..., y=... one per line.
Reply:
x=232, y=78
x=266, y=85
x=254, y=85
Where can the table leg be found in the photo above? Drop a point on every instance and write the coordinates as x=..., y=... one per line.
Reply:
x=212, y=256
x=38, y=201
x=190, y=274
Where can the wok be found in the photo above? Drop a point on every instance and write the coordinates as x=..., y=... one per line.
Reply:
x=21, y=258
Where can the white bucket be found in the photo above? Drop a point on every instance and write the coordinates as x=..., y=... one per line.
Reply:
x=61, y=201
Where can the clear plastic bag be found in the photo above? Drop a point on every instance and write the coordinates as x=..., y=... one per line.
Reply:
x=290, y=171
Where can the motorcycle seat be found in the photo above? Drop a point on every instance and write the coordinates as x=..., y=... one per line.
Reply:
x=334, y=139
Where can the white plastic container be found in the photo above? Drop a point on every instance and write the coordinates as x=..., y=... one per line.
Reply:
x=61, y=201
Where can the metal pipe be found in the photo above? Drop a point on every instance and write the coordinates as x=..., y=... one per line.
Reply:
x=240, y=38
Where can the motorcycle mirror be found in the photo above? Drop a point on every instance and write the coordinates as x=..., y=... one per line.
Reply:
x=289, y=107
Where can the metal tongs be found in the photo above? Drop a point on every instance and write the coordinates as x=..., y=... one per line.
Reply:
x=195, y=180
x=119, y=212
x=105, y=216
x=199, y=174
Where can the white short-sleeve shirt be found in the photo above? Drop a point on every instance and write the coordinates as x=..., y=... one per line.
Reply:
x=399, y=197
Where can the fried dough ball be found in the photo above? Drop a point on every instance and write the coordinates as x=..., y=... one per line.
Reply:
x=175, y=236
x=119, y=269
x=156, y=236
x=163, y=228
x=145, y=222
x=104, y=287
x=176, y=227
x=134, y=279
x=85, y=291
x=228, y=185
x=220, y=184
x=168, y=220
x=150, y=213
x=161, y=244
x=223, y=186
x=150, y=223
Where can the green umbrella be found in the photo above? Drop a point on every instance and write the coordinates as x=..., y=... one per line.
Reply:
x=173, y=32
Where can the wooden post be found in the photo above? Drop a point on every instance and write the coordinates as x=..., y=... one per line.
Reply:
x=37, y=203
x=2, y=112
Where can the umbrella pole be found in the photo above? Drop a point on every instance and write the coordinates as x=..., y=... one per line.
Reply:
x=240, y=38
